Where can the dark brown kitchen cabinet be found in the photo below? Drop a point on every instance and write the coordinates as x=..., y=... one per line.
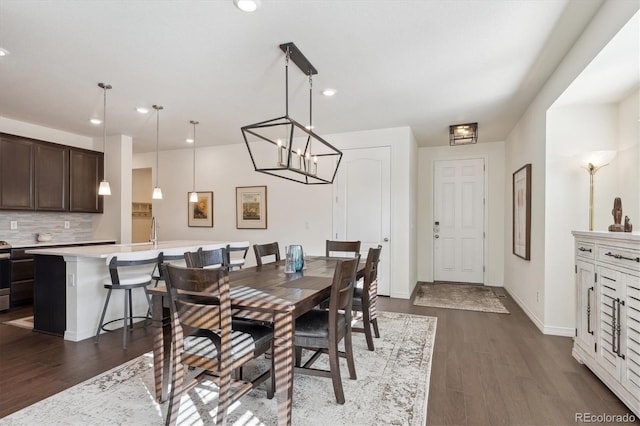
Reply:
x=85, y=173
x=44, y=176
x=16, y=173
x=51, y=177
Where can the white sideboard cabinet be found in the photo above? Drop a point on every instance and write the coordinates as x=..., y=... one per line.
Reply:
x=607, y=267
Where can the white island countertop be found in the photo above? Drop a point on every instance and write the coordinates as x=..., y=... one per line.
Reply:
x=84, y=276
x=106, y=250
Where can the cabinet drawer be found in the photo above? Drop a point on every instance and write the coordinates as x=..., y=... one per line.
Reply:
x=585, y=250
x=624, y=257
x=22, y=270
x=21, y=292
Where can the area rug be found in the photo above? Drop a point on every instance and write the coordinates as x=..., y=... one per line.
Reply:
x=459, y=296
x=392, y=388
x=26, y=322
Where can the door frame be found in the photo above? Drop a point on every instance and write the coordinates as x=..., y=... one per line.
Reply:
x=485, y=244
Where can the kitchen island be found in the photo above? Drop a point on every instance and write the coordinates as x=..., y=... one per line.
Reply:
x=79, y=272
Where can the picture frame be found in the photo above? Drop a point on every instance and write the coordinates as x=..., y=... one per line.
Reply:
x=251, y=207
x=522, y=212
x=200, y=214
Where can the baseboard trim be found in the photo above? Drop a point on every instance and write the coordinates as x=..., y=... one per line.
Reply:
x=544, y=329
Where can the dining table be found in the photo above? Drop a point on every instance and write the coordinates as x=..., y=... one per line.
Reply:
x=263, y=293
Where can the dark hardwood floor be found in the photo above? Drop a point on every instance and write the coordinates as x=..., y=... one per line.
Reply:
x=487, y=369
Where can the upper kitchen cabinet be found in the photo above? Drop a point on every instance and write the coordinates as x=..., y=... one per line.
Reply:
x=51, y=177
x=16, y=173
x=86, y=168
x=44, y=176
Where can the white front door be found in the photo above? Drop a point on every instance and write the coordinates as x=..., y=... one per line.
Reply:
x=458, y=214
x=362, y=208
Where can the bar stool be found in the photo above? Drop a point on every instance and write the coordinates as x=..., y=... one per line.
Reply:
x=169, y=255
x=127, y=280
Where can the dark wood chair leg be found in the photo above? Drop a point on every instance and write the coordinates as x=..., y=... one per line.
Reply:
x=177, y=380
x=334, y=365
x=376, y=332
x=348, y=349
x=271, y=388
x=298, y=356
x=366, y=326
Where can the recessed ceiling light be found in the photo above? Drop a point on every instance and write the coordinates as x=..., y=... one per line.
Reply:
x=189, y=140
x=329, y=91
x=142, y=110
x=247, y=5
x=3, y=52
x=95, y=121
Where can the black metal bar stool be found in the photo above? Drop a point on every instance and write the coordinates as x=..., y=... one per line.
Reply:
x=127, y=280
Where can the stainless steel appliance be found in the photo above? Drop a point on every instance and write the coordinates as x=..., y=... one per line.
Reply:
x=5, y=275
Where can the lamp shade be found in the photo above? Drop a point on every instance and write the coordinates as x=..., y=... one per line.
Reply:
x=104, y=188
x=598, y=159
x=157, y=193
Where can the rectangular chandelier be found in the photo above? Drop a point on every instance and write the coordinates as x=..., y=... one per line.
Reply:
x=284, y=148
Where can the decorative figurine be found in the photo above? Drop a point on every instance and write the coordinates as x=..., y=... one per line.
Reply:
x=617, y=216
x=627, y=224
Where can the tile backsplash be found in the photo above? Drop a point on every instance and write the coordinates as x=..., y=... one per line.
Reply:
x=30, y=224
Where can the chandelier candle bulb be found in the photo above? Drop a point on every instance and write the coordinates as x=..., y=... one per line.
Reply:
x=307, y=162
x=314, y=169
x=299, y=159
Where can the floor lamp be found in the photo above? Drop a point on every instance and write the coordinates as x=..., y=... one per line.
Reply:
x=593, y=162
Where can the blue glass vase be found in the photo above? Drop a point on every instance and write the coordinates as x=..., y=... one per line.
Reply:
x=298, y=257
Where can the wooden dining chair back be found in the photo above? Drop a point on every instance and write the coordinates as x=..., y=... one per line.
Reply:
x=264, y=250
x=365, y=298
x=206, y=337
x=128, y=271
x=321, y=330
x=237, y=253
x=342, y=248
x=206, y=258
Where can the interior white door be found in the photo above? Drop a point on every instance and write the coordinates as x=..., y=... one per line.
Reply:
x=362, y=208
x=458, y=228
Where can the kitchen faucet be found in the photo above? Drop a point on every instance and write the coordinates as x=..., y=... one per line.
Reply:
x=154, y=232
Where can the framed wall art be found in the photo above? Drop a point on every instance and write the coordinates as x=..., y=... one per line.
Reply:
x=201, y=213
x=251, y=207
x=522, y=212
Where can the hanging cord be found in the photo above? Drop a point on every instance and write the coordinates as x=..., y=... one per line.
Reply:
x=104, y=88
x=310, y=101
x=194, y=153
x=286, y=81
x=158, y=108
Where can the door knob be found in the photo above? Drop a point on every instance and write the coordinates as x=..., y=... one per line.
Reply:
x=386, y=240
x=436, y=236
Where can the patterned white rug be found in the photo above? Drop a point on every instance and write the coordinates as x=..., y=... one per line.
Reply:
x=392, y=388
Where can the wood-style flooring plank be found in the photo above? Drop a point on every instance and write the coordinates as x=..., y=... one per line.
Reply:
x=487, y=369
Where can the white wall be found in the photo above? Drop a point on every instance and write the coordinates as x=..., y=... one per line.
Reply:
x=35, y=131
x=493, y=153
x=628, y=157
x=297, y=214
x=526, y=143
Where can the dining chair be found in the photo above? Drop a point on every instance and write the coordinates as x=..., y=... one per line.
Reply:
x=264, y=250
x=241, y=248
x=365, y=298
x=345, y=248
x=206, y=258
x=321, y=330
x=200, y=306
x=125, y=274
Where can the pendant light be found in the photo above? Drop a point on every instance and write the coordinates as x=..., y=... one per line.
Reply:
x=283, y=147
x=104, y=188
x=193, y=197
x=157, y=192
